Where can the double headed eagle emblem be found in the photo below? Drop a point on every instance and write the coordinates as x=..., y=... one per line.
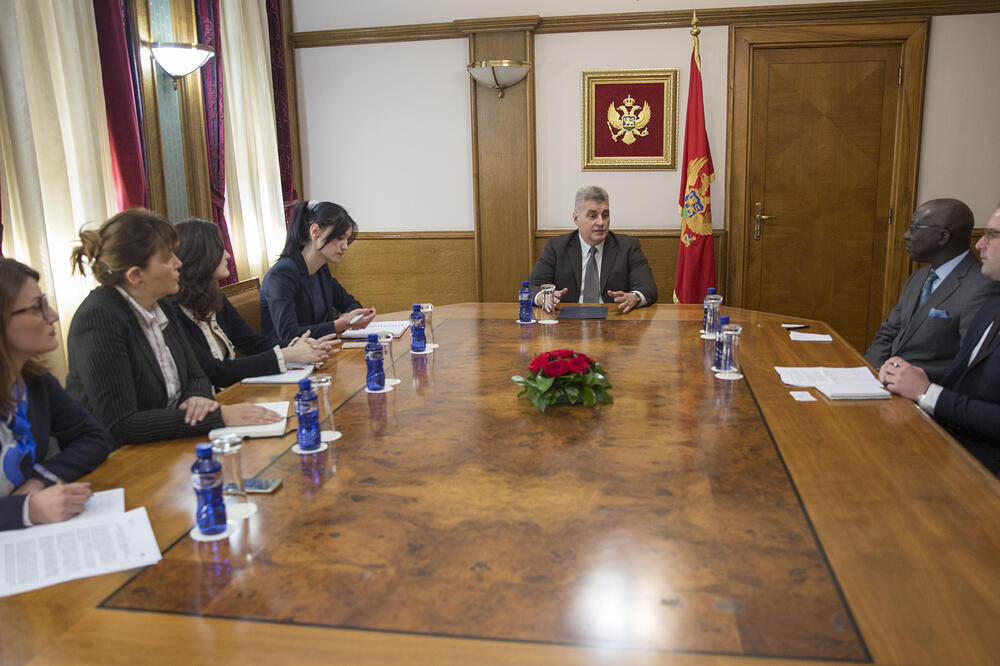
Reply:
x=628, y=123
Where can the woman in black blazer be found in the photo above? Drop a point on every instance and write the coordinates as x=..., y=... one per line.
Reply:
x=298, y=293
x=214, y=327
x=130, y=363
x=35, y=488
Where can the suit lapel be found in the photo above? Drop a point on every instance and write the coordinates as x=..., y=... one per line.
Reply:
x=989, y=350
x=137, y=334
x=575, y=260
x=918, y=315
x=610, y=255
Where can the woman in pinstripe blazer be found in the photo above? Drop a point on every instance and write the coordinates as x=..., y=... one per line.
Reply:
x=130, y=363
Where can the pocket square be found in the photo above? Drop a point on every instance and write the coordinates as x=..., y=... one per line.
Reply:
x=938, y=314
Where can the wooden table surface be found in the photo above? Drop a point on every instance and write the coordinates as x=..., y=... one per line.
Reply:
x=693, y=521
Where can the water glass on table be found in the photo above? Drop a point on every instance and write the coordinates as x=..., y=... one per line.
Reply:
x=227, y=450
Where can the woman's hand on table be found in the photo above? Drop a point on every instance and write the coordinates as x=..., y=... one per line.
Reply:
x=247, y=413
x=196, y=408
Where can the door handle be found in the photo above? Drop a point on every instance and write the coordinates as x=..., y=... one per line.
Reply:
x=758, y=218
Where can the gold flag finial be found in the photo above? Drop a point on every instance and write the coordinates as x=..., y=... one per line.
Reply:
x=695, y=30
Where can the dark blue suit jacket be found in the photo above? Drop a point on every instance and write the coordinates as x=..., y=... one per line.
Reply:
x=969, y=405
x=83, y=442
x=286, y=306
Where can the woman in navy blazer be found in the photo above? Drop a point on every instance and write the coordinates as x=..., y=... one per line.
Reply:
x=35, y=488
x=216, y=330
x=298, y=293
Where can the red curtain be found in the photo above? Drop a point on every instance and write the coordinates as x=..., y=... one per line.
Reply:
x=278, y=82
x=117, y=73
x=207, y=13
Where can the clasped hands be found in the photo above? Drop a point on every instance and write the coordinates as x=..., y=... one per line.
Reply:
x=626, y=300
x=903, y=378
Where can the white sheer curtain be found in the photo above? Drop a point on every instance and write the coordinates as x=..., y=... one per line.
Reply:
x=54, y=143
x=254, y=206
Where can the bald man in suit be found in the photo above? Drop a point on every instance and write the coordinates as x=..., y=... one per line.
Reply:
x=592, y=264
x=934, y=311
x=966, y=401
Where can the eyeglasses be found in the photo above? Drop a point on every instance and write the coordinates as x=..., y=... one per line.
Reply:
x=990, y=235
x=39, y=307
x=914, y=227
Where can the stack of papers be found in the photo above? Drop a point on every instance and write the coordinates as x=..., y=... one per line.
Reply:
x=394, y=327
x=836, y=383
x=102, y=539
x=295, y=372
x=810, y=337
x=269, y=430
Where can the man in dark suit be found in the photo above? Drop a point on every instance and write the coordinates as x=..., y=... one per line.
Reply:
x=967, y=399
x=938, y=301
x=592, y=264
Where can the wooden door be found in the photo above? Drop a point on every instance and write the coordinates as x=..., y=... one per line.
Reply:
x=822, y=170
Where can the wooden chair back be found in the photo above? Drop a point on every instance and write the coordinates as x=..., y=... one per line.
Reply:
x=245, y=297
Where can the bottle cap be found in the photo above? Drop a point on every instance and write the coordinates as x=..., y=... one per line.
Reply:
x=305, y=384
x=524, y=283
x=710, y=290
x=416, y=307
x=203, y=450
x=724, y=319
x=373, y=337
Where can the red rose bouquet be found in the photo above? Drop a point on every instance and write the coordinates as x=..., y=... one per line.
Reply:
x=563, y=375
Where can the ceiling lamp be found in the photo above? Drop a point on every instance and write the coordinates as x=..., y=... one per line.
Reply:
x=499, y=74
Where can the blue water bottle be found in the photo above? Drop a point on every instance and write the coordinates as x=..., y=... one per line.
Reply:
x=307, y=409
x=720, y=343
x=418, y=342
x=704, y=305
x=524, y=303
x=206, y=478
x=375, y=380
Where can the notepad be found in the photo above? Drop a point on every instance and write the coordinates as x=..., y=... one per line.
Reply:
x=295, y=372
x=836, y=383
x=267, y=430
x=376, y=327
x=584, y=312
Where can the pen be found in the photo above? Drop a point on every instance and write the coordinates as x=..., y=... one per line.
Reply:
x=789, y=327
x=47, y=475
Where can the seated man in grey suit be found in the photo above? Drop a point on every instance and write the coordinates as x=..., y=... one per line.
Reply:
x=938, y=301
x=592, y=264
x=966, y=400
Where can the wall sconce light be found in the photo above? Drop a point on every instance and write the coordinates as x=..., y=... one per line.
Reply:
x=178, y=59
x=499, y=74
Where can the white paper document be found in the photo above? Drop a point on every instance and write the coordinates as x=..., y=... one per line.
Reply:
x=296, y=371
x=268, y=430
x=44, y=555
x=810, y=337
x=836, y=383
x=103, y=503
x=802, y=396
x=394, y=327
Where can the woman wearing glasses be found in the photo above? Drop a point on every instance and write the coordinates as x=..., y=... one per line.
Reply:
x=35, y=489
x=298, y=293
x=216, y=330
x=129, y=361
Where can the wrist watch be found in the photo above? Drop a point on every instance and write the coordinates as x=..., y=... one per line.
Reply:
x=638, y=299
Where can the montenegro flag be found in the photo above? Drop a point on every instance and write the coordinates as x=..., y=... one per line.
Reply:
x=696, y=258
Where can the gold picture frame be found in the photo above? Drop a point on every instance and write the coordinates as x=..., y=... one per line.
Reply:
x=629, y=119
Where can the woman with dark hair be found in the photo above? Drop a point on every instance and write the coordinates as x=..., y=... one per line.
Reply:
x=298, y=293
x=214, y=327
x=129, y=361
x=33, y=407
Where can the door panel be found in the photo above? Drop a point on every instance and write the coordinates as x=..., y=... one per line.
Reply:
x=823, y=122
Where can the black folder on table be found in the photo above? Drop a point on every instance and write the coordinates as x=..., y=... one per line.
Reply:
x=584, y=312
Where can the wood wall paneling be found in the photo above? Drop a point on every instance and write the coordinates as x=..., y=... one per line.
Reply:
x=394, y=271
x=504, y=171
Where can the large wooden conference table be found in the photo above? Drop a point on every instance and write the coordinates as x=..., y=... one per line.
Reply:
x=693, y=521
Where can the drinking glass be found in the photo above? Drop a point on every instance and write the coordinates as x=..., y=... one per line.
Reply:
x=227, y=451
x=385, y=338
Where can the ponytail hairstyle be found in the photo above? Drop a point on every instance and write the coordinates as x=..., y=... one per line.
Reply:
x=200, y=250
x=323, y=213
x=130, y=238
x=13, y=275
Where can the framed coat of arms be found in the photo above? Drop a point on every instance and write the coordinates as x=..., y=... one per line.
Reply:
x=630, y=119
